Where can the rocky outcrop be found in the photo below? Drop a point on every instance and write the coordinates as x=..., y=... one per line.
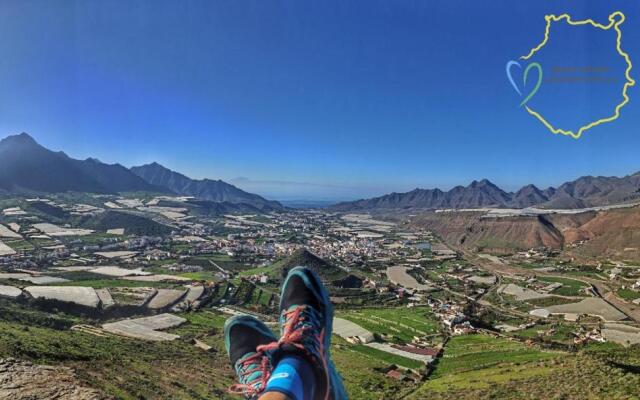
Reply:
x=22, y=380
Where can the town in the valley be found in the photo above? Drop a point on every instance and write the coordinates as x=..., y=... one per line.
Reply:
x=412, y=311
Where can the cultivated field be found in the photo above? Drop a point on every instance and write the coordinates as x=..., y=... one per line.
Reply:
x=570, y=287
x=399, y=276
x=54, y=230
x=590, y=306
x=479, y=360
x=146, y=328
x=84, y=296
x=8, y=233
x=346, y=329
x=401, y=322
x=520, y=293
x=6, y=250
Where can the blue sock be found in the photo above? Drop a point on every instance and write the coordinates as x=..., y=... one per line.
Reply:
x=294, y=378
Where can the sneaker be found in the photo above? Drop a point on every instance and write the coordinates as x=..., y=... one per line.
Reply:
x=306, y=323
x=246, y=339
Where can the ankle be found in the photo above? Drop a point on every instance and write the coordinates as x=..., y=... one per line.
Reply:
x=293, y=377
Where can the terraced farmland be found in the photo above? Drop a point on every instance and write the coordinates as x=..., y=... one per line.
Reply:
x=599, y=372
x=475, y=361
x=473, y=352
x=401, y=322
x=358, y=370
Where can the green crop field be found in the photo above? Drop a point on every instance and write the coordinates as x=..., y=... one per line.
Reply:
x=200, y=275
x=561, y=332
x=550, y=301
x=479, y=361
x=361, y=379
x=472, y=352
x=402, y=322
x=206, y=326
x=486, y=377
x=602, y=371
x=389, y=358
x=570, y=287
x=628, y=294
x=268, y=270
x=19, y=245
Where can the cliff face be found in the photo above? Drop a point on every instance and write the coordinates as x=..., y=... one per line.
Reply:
x=470, y=231
x=612, y=233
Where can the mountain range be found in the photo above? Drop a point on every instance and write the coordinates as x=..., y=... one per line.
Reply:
x=26, y=167
x=587, y=191
x=205, y=189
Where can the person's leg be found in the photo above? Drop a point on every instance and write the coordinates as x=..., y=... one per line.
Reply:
x=303, y=351
x=245, y=338
x=294, y=377
x=298, y=366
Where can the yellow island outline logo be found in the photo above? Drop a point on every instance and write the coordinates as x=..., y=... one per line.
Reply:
x=615, y=20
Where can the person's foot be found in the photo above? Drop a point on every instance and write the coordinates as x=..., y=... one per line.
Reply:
x=306, y=321
x=246, y=339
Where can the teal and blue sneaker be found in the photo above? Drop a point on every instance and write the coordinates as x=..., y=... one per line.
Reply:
x=246, y=339
x=306, y=324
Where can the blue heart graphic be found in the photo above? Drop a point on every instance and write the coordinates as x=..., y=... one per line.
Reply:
x=526, y=74
x=508, y=68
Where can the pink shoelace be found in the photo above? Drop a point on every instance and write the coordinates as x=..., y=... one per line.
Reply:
x=295, y=331
x=257, y=362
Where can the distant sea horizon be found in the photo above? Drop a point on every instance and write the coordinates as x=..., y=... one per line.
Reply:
x=308, y=203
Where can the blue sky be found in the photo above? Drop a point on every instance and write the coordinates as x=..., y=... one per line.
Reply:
x=314, y=100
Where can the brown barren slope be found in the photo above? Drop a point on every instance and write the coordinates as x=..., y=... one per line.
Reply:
x=612, y=233
x=507, y=234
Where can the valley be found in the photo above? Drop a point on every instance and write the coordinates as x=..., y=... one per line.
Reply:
x=130, y=292
x=462, y=177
